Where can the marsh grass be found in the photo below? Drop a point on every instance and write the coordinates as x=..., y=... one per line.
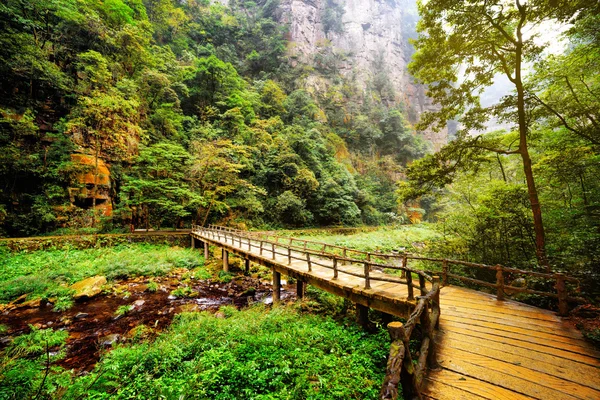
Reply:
x=45, y=273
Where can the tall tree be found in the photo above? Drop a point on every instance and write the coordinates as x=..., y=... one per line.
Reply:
x=462, y=46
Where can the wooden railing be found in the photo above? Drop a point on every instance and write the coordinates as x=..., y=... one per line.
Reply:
x=401, y=370
x=564, y=286
x=400, y=366
x=337, y=262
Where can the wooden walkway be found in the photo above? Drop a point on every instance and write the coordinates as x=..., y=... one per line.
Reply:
x=486, y=349
x=504, y=350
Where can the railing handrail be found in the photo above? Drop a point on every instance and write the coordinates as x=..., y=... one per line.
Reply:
x=306, y=253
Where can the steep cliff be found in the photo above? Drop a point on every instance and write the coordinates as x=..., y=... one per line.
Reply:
x=369, y=37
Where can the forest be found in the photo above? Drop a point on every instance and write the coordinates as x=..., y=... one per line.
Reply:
x=141, y=116
x=198, y=115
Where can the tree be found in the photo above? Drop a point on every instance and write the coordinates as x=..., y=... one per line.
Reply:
x=462, y=46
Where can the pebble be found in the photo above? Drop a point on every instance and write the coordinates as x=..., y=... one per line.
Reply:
x=110, y=339
x=139, y=303
x=81, y=315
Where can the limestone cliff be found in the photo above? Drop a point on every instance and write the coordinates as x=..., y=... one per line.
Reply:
x=372, y=34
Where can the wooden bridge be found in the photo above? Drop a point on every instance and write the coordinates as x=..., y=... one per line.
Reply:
x=474, y=345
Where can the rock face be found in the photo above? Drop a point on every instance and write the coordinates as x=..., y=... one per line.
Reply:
x=374, y=36
x=89, y=287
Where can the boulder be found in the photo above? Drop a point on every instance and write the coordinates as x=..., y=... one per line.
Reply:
x=89, y=287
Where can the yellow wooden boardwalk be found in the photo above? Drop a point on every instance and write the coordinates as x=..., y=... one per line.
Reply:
x=486, y=349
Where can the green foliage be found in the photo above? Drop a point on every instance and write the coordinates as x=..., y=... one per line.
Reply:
x=183, y=292
x=254, y=353
x=41, y=273
x=194, y=109
x=26, y=369
x=332, y=17
x=123, y=310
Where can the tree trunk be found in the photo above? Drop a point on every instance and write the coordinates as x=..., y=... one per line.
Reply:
x=540, y=240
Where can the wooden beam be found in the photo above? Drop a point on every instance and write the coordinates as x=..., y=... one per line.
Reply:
x=276, y=286
x=225, y=261
x=206, y=251
x=300, y=288
x=362, y=315
x=247, y=266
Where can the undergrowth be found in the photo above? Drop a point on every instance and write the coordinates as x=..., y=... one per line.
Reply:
x=45, y=273
x=258, y=353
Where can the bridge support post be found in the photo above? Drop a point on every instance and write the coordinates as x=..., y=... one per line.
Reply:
x=300, y=288
x=193, y=242
x=362, y=315
x=225, y=261
x=276, y=286
x=206, y=251
x=247, y=266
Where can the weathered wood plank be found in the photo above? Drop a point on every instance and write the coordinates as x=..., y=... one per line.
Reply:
x=565, y=332
x=558, y=368
x=525, y=346
x=449, y=385
x=450, y=323
x=529, y=331
x=516, y=377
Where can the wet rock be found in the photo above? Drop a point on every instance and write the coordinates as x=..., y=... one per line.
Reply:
x=171, y=297
x=31, y=304
x=89, y=287
x=110, y=340
x=139, y=303
x=81, y=315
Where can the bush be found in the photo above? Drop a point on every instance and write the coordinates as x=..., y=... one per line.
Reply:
x=256, y=353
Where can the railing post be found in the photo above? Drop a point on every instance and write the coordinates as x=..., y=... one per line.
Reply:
x=436, y=299
x=405, y=273
x=335, y=270
x=323, y=250
x=561, y=288
x=273, y=250
x=276, y=286
x=345, y=254
x=308, y=261
x=261, y=247
x=422, y=285
x=289, y=256
x=499, y=282
x=367, y=277
x=409, y=284
x=445, y=272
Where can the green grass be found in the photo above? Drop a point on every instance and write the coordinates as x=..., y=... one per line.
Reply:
x=410, y=237
x=45, y=273
x=252, y=354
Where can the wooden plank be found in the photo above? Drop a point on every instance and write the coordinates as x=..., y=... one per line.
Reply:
x=515, y=377
x=531, y=330
x=485, y=298
x=439, y=390
x=499, y=315
x=449, y=385
x=576, y=367
x=497, y=308
x=564, y=331
x=569, y=371
x=525, y=345
x=449, y=323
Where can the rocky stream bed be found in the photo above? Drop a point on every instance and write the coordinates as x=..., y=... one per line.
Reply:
x=95, y=325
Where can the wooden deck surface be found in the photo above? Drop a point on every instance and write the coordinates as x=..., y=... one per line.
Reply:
x=488, y=349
